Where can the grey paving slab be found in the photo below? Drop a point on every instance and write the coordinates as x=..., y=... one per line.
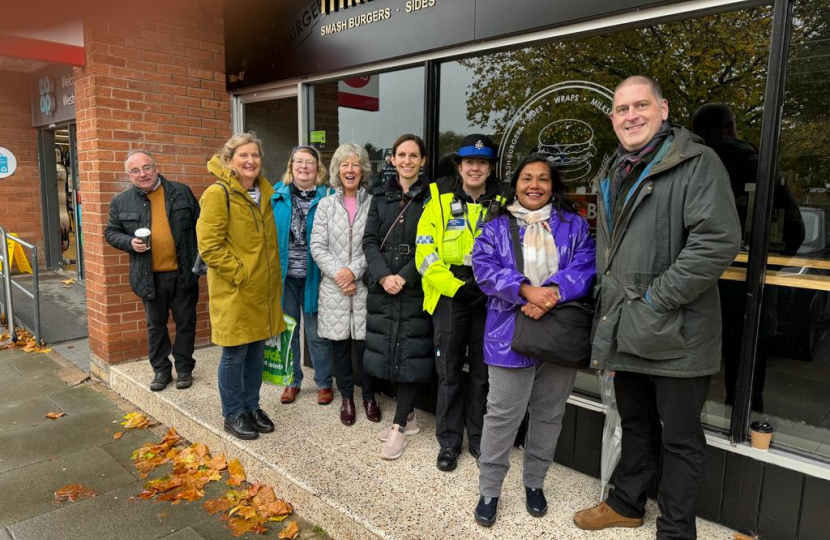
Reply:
x=14, y=386
x=80, y=399
x=185, y=534
x=33, y=363
x=76, y=352
x=109, y=515
x=4, y=534
x=120, y=450
x=29, y=491
x=63, y=436
x=24, y=413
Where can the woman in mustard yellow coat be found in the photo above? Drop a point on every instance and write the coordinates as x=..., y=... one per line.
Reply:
x=238, y=242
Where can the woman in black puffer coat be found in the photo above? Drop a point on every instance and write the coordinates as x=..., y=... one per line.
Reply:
x=399, y=334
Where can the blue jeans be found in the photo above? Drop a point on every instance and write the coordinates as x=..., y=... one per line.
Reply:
x=319, y=347
x=240, y=377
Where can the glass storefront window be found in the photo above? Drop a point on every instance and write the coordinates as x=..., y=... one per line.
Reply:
x=792, y=369
x=370, y=110
x=275, y=123
x=555, y=99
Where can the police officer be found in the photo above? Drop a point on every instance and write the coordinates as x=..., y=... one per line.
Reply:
x=451, y=221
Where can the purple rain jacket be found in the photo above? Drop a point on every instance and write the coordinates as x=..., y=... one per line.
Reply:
x=495, y=271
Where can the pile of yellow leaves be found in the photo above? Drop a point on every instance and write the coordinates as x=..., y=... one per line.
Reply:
x=244, y=510
x=72, y=493
x=25, y=341
x=134, y=420
x=250, y=510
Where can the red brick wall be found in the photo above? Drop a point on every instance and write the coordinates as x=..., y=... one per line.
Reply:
x=154, y=81
x=20, y=193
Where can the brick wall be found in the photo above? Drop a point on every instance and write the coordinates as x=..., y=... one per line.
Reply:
x=20, y=193
x=154, y=81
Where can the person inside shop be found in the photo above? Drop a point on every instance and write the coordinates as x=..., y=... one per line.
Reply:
x=398, y=331
x=559, y=265
x=715, y=123
x=160, y=262
x=452, y=220
x=667, y=230
x=238, y=243
x=336, y=247
x=295, y=203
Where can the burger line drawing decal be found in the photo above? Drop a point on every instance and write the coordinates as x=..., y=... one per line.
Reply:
x=568, y=122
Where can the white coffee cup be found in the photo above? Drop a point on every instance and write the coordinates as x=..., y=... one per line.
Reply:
x=143, y=234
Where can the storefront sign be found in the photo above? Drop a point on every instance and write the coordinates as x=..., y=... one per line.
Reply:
x=310, y=37
x=8, y=163
x=53, y=95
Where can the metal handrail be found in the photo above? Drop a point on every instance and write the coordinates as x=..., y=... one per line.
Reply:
x=8, y=281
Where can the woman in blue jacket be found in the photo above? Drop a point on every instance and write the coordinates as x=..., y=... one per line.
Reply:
x=559, y=266
x=295, y=204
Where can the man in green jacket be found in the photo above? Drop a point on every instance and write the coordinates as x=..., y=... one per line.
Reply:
x=667, y=229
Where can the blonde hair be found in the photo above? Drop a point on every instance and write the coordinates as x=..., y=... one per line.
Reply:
x=288, y=176
x=340, y=155
x=240, y=139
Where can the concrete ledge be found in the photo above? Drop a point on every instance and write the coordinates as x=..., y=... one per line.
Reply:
x=334, y=476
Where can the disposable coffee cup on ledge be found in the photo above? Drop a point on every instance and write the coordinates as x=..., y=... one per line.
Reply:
x=761, y=433
x=143, y=235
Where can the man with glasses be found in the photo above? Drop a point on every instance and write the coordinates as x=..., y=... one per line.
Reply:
x=160, y=269
x=667, y=229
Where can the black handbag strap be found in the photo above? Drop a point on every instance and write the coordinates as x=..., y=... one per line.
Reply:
x=518, y=253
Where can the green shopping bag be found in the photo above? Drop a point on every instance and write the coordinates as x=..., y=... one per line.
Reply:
x=279, y=359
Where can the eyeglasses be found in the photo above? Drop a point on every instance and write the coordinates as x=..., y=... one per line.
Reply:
x=147, y=169
x=307, y=162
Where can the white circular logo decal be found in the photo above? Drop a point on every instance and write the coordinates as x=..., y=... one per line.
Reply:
x=8, y=163
x=568, y=122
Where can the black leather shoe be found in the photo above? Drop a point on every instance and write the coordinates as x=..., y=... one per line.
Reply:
x=447, y=459
x=184, y=380
x=262, y=423
x=160, y=382
x=475, y=452
x=537, y=505
x=241, y=427
x=487, y=510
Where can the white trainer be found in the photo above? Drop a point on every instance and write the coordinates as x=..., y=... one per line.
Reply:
x=412, y=428
x=394, y=445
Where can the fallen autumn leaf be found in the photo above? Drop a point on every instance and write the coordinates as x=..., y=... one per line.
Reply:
x=72, y=493
x=55, y=415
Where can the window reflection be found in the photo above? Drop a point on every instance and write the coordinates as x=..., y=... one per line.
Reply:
x=371, y=110
x=795, y=372
x=556, y=98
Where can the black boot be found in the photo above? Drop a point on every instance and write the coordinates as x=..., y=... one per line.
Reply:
x=262, y=423
x=241, y=426
x=537, y=505
x=487, y=511
x=447, y=459
x=160, y=381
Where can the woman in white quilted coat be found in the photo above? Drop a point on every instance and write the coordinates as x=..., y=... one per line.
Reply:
x=337, y=250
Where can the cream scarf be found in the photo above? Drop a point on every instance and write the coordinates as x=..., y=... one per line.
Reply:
x=541, y=259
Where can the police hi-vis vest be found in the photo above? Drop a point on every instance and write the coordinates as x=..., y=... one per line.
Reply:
x=444, y=240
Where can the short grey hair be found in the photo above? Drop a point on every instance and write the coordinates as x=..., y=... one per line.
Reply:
x=340, y=155
x=642, y=79
x=131, y=153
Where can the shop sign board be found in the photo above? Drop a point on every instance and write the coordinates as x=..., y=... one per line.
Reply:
x=53, y=95
x=267, y=41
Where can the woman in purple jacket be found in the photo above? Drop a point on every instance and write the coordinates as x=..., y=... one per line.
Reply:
x=559, y=266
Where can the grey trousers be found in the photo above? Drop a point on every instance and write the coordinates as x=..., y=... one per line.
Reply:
x=542, y=391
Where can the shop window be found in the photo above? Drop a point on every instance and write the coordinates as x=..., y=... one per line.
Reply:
x=371, y=110
x=792, y=369
x=555, y=98
x=275, y=123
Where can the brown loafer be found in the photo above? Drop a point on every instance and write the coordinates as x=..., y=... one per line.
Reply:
x=372, y=409
x=289, y=395
x=324, y=396
x=603, y=516
x=347, y=413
